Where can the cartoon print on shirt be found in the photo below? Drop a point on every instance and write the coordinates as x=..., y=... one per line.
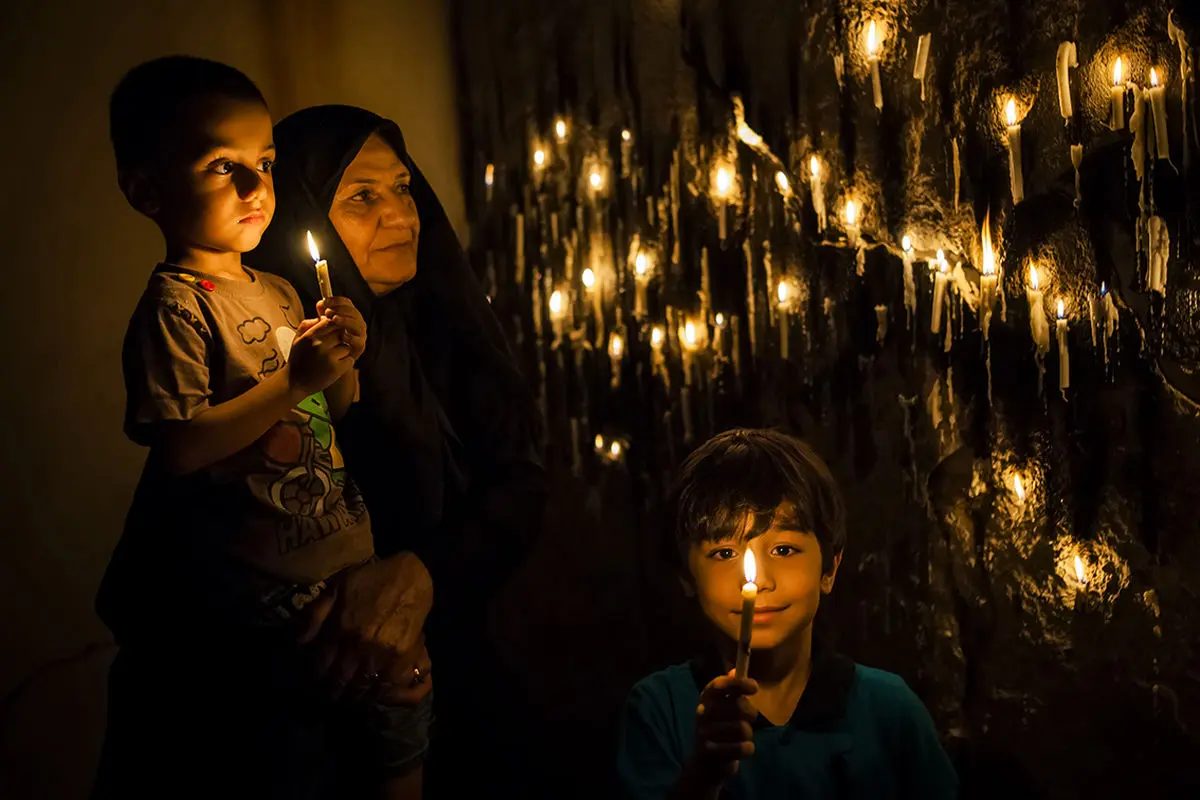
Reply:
x=270, y=364
x=254, y=330
x=291, y=317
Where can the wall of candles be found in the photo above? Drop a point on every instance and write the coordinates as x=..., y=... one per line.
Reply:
x=952, y=244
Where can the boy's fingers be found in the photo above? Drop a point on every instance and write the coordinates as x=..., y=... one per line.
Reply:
x=728, y=684
x=729, y=731
x=310, y=327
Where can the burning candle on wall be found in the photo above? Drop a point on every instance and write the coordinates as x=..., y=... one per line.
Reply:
x=1116, y=120
x=784, y=294
x=616, y=352
x=1037, y=312
x=558, y=314
x=719, y=325
x=987, y=280
x=1066, y=59
x=749, y=597
x=873, y=62
x=1016, y=178
x=852, y=223
x=658, y=359
x=641, y=278
x=1158, y=105
x=560, y=129
x=817, y=189
x=626, y=152
x=489, y=177
x=1064, y=356
x=910, y=283
x=724, y=184
x=781, y=181
x=939, y=292
x=322, y=269
x=593, y=292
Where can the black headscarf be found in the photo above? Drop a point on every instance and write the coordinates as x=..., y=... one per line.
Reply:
x=442, y=441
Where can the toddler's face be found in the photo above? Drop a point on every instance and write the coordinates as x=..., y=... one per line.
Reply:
x=218, y=190
x=790, y=581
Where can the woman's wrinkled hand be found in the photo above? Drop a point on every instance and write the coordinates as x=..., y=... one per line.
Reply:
x=370, y=622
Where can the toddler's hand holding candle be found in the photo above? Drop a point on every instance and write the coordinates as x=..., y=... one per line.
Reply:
x=749, y=596
x=322, y=269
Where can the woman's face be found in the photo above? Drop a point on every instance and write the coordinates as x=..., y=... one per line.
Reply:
x=374, y=214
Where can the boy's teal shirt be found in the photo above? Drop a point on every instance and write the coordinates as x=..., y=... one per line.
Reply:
x=857, y=732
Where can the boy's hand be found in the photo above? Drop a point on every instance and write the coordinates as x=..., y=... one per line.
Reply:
x=342, y=313
x=723, y=728
x=318, y=357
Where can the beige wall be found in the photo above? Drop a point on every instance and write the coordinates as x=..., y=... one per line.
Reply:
x=75, y=258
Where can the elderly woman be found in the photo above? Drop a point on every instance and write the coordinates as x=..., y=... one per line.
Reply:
x=442, y=435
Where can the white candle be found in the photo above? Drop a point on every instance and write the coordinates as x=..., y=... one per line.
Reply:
x=558, y=314
x=1158, y=105
x=1159, y=241
x=1137, y=126
x=817, y=188
x=641, y=277
x=1066, y=58
x=616, y=351
x=593, y=292
x=852, y=223
x=1016, y=179
x=1116, y=120
x=1037, y=313
x=939, y=292
x=922, y=59
x=724, y=184
x=1064, y=356
x=873, y=61
x=910, y=283
x=626, y=152
x=749, y=596
x=658, y=360
x=987, y=280
x=783, y=292
x=881, y=324
x=860, y=260
x=322, y=269
x=719, y=325
x=489, y=176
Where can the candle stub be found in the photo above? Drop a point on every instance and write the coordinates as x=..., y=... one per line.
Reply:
x=1066, y=58
x=322, y=269
x=749, y=596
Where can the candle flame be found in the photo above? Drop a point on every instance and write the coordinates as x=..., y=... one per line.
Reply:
x=989, y=258
x=748, y=134
x=689, y=334
x=312, y=247
x=596, y=179
x=724, y=181
x=1033, y=276
x=1062, y=310
x=1153, y=77
x=599, y=442
x=1118, y=72
x=1019, y=488
x=749, y=568
x=614, y=449
x=906, y=243
x=1103, y=288
x=941, y=260
x=539, y=157
x=556, y=303
x=782, y=182
x=657, y=337
x=851, y=212
x=720, y=320
x=616, y=345
x=489, y=173
x=783, y=291
x=560, y=129
x=1010, y=111
x=1080, y=574
x=589, y=278
x=814, y=166
x=626, y=136
x=639, y=264
x=872, y=39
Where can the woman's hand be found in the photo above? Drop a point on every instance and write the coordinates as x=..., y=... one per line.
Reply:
x=371, y=619
x=408, y=681
x=342, y=313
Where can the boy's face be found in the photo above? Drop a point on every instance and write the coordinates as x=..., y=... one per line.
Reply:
x=790, y=581
x=215, y=181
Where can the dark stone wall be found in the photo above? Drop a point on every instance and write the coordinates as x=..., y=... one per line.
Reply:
x=1044, y=685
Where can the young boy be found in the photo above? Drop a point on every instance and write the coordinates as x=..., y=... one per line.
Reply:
x=806, y=723
x=245, y=513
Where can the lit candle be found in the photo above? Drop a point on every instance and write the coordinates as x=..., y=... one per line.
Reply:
x=614, y=451
x=689, y=341
x=1016, y=179
x=724, y=184
x=658, y=360
x=873, y=61
x=719, y=325
x=1158, y=105
x=749, y=596
x=593, y=291
x=818, y=191
x=322, y=269
x=852, y=223
x=922, y=59
x=881, y=324
x=641, y=277
x=1064, y=356
x=616, y=351
x=1037, y=312
x=560, y=129
x=910, y=283
x=539, y=167
x=1159, y=242
x=781, y=180
x=1066, y=59
x=489, y=175
x=1116, y=120
x=1019, y=488
x=784, y=293
x=558, y=314
x=939, y=292
x=987, y=280
x=626, y=150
